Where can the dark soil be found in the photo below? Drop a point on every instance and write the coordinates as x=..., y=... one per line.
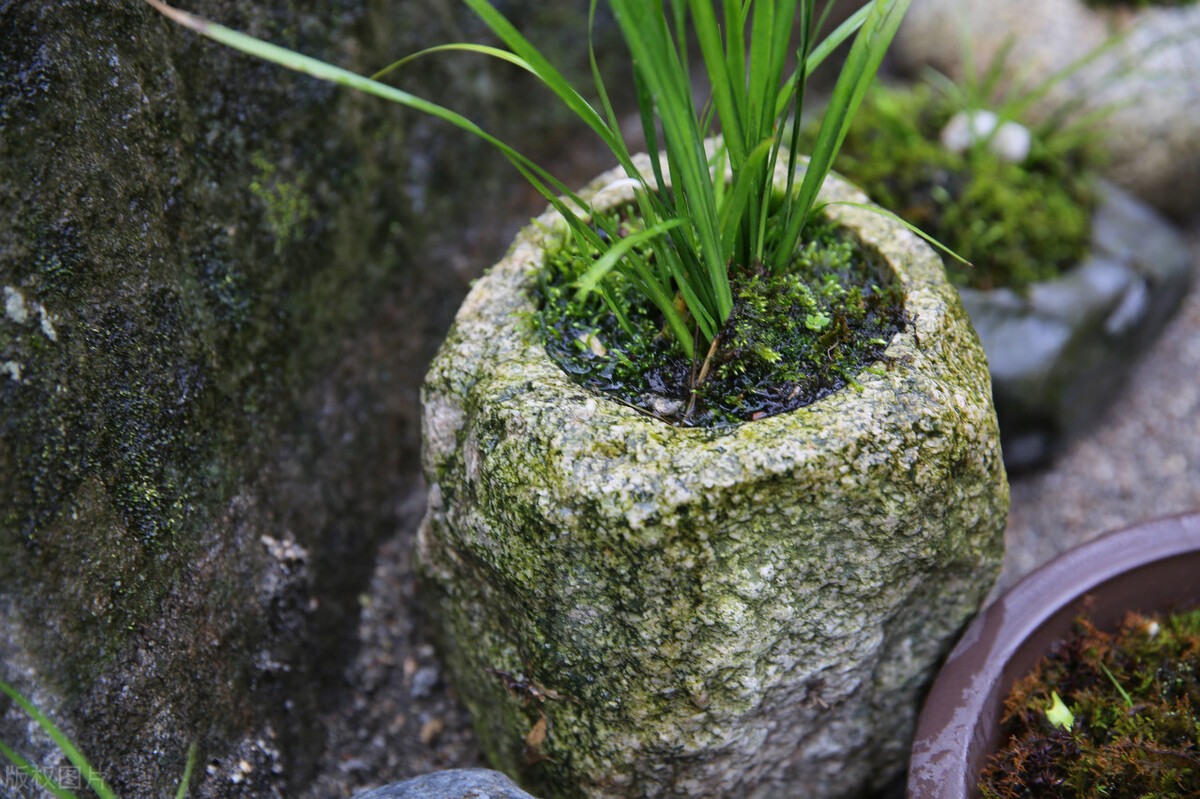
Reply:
x=790, y=340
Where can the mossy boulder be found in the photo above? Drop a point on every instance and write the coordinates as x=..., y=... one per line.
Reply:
x=636, y=609
x=1059, y=350
x=1147, y=82
x=216, y=304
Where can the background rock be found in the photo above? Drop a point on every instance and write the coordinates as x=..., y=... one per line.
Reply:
x=220, y=285
x=1059, y=352
x=1150, y=76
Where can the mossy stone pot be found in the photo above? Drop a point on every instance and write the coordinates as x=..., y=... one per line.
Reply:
x=1148, y=568
x=1061, y=350
x=633, y=609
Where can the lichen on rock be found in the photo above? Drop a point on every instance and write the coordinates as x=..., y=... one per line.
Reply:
x=750, y=611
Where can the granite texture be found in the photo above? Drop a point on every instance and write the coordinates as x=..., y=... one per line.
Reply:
x=630, y=608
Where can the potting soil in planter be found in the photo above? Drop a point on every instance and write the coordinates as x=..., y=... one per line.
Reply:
x=791, y=339
x=1130, y=727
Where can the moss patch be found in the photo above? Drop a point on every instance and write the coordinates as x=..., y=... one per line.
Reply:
x=1137, y=3
x=1134, y=695
x=1017, y=223
x=791, y=339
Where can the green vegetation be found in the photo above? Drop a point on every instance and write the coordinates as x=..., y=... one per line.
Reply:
x=1017, y=223
x=1137, y=3
x=89, y=774
x=701, y=233
x=1130, y=728
x=792, y=336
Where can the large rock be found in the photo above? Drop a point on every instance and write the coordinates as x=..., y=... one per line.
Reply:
x=1149, y=78
x=634, y=609
x=220, y=284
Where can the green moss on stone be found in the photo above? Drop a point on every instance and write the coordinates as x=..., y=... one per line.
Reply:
x=708, y=599
x=1137, y=3
x=217, y=355
x=1016, y=223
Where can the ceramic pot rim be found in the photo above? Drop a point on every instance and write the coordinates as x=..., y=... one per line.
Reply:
x=1146, y=567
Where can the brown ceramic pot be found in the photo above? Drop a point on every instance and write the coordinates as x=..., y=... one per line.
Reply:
x=1151, y=567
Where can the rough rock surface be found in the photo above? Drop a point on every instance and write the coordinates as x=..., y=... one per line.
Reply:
x=464, y=783
x=635, y=609
x=1150, y=76
x=1058, y=353
x=215, y=292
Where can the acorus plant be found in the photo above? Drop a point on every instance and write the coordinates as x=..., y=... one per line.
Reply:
x=700, y=226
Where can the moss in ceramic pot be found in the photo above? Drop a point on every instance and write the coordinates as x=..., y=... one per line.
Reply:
x=1136, y=3
x=1018, y=223
x=792, y=338
x=1126, y=724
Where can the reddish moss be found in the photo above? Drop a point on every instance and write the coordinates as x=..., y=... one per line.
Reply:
x=1134, y=695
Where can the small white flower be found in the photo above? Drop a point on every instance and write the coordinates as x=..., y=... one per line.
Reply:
x=1012, y=142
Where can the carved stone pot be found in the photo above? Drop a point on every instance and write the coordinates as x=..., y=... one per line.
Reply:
x=634, y=609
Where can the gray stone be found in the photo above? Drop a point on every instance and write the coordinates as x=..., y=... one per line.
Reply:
x=1060, y=352
x=461, y=783
x=685, y=612
x=212, y=330
x=1150, y=77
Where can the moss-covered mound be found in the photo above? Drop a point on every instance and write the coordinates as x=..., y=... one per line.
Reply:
x=791, y=339
x=1137, y=3
x=1135, y=732
x=1016, y=223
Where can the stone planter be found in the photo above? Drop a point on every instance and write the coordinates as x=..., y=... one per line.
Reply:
x=633, y=609
x=1155, y=140
x=1059, y=352
x=1151, y=567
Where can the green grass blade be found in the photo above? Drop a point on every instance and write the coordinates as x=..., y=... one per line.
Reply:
x=862, y=63
x=494, y=52
x=77, y=759
x=822, y=51
x=725, y=98
x=875, y=209
x=187, y=772
x=1125, y=697
x=654, y=290
x=546, y=184
x=655, y=56
x=749, y=179
x=323, y=71
x=546, y=72
x=36, y=773
x=1017, y=108
x=613, y=255
x=735, y=17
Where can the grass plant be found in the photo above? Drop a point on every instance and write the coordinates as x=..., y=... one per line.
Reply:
x=699, y=230
x=72, y=753
x=1016, y=222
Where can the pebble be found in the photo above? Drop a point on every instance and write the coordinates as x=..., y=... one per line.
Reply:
x=464, y=783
